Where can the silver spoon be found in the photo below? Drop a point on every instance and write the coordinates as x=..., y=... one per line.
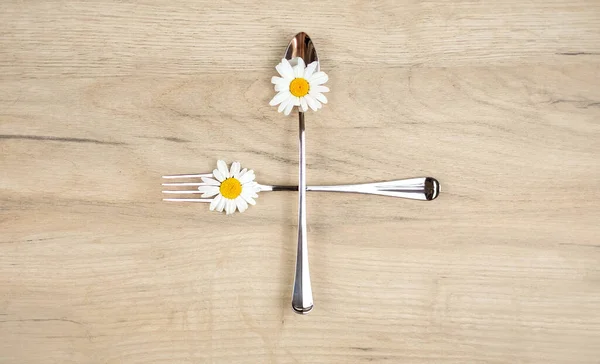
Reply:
x=302, y=300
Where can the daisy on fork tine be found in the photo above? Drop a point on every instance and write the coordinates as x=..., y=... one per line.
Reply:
x=233, y=188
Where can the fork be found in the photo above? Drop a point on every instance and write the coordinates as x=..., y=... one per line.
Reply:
x=420, y=188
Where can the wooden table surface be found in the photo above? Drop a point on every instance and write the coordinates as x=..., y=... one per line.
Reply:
x=498, y=100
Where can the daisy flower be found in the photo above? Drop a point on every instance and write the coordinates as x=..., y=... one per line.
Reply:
x=234, y=188
x=299, y=86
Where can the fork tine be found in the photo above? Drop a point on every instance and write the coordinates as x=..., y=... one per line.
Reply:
x=185, y=184
x=188, y=176
x=188, y=199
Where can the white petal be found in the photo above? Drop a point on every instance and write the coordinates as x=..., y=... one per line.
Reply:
x=249, y=199
x=210, y=181
x=282, y=87
x=230, y=207
x=280, y=97
x=222, y=166
x=221, y=204
x=251, y=186
x=297, y=101
x=207, y=188
x=288, y=108
x=283, y=105
x=242, y=173
x=248, y=192
x=241, y=204
x=303, y=104
x=319, y=96
x=247, y=177
x=275, y=80
x=285, y=69
x=310, y=69
x=312, y=103
x=215, y=202
x=218, y=175
x=283, y=82
x=210, y=193
x=235, y=169
x=299, y=68
x=320, y=88
x=318, y=78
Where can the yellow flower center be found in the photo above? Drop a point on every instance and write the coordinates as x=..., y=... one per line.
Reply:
x=230, y=188
x=299, y=87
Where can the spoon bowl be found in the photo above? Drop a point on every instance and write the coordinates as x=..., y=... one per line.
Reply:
x=302, y=46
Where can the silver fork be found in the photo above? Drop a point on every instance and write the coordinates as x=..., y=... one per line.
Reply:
x=420, y=188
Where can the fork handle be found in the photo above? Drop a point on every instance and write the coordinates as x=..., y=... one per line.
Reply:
x=421, y=188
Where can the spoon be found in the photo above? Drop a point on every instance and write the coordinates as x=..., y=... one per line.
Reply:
x=302, y=300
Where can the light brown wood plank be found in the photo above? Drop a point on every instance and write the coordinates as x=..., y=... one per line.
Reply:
x=499, y=101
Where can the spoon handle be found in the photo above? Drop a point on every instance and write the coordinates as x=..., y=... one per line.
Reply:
x=302, y=299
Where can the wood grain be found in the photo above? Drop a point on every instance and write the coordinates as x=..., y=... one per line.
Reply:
x=498, y=100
